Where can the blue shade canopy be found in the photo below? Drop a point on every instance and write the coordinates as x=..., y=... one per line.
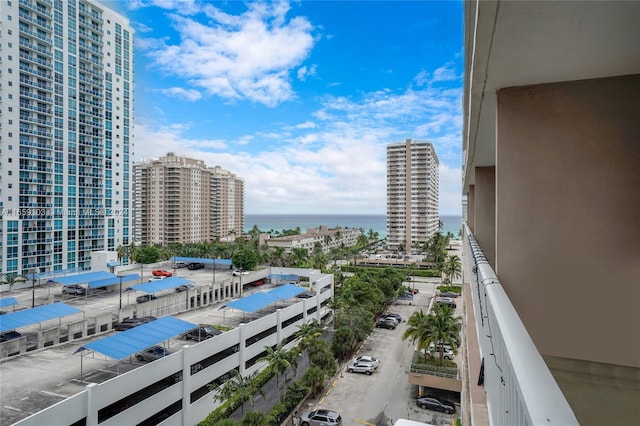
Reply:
x=283, y=277
x=257, y=301
x=84, y=278
x=113, y=281
x=113, y=263
x=160, y=285
x=218, y=262
x=126, y=343
x=8, y=301
x=36, y=315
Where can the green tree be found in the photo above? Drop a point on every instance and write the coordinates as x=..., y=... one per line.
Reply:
x=314, y=379
x=452, y=268
x=444, y=328
x=147, y=254
x=277, y=256
x=254, y=418
x=299, y=257
x=245, y=258
x=417, y=330
x=278, y=360
x=343, y=342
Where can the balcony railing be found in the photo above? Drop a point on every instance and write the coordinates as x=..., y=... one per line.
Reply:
x=520, y=388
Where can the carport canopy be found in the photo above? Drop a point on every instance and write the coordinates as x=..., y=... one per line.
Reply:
x=129, y=342
x=206, y=261
x=257, y=301
x=8, y=301
x=160, y=285
x=282, y=277
x=84, y=278
x=26, y=317
x=105, y=282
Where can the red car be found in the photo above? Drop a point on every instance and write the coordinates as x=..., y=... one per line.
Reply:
x=161, y=273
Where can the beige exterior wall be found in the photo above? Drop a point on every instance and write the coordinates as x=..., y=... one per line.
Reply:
x=567, y=233
x=485, y=211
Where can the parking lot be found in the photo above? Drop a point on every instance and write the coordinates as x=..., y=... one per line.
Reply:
x=386, y=395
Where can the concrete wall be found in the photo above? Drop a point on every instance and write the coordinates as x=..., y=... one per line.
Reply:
x=567, y=233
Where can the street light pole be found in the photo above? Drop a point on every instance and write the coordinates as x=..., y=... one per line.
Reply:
x=120, y=308
x=33, y=289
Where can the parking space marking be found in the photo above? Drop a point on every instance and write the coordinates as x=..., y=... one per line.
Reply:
x=13, y=408
x=53, y=394
x=364, y=422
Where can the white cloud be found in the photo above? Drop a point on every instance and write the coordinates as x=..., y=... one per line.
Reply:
x=248, y=56
x=303, y=72
x=445, y=73
x=190, y=94
x=336, y=160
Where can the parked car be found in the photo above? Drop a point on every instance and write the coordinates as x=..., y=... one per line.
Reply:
x=432, y=347
x=145, y=298
x=369, y=360
x=386, y=323
x=184, y=287
x=305, y=295
x=320, y=417
x=179, y=265
x=397, y=317
x=161, y=273
x=435, y=404
x=447, y=353
x=9, y=335
x=153, y=353
x=203, y=332
x=156, y=278
x=195, y=265
x=451, y=294
x=128, y=323
x=76, y=289
x=446, y=301
x=239, y=272
x=361, y=367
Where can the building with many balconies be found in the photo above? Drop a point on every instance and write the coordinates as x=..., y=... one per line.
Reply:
x=412, y=194
x=66, y=87
x=179, y=199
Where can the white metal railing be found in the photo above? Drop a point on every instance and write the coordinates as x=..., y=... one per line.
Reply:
x=520, y=388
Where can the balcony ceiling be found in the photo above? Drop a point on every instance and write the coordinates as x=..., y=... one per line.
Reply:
x=519, y=43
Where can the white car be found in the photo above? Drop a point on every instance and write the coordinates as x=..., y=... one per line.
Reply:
x=239, y=272
x=368, y=359
x=361, y=367
x=156, y=278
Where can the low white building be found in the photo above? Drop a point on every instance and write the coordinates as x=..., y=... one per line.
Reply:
x=327, y=238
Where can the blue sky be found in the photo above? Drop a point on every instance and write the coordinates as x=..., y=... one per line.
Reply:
x=300, y=99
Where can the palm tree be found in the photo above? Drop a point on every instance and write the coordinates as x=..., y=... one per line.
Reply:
x=308, y=331
x=236, y=385
x=452, y=267
x=417, y=326
x=277, y=256
x=444, y=329
x=299, y=256
x=314, y=379
x=278, y=360
x=254, y=418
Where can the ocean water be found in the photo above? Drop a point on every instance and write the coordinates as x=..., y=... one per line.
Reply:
x=378, y=223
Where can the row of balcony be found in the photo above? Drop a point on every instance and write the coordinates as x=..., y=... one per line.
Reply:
x=35, y=20
x=37, y=8
x=28, y=45
x=41, y=86
x=28, y=94
x=36, y=34
x=26, y=105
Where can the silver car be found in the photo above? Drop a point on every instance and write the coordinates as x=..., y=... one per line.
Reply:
x=320, y=418
x=361, y=367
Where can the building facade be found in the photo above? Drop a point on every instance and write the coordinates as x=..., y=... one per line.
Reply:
x=323, y=238
x=180, y=200
x=412, y=194
x=227, y=197
x=66, y=86
x=551, y=179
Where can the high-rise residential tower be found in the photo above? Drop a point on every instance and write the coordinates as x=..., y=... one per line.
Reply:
x=412, y=194
x=179, y=199
x=66, y=89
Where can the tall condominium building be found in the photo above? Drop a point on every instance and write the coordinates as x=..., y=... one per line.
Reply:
x=179, y=199
x=412, y=194
x=66, y=89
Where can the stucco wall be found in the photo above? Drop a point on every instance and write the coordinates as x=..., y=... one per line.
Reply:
x=567, y=233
